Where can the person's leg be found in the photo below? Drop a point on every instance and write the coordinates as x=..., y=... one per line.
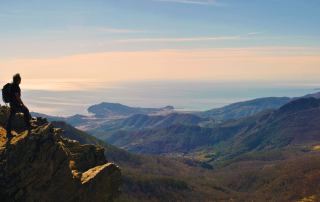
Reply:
x=11, y=117
x=27, y=116
x=19, y=108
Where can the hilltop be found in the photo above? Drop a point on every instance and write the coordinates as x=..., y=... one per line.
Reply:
x=40, y=165
x=106, y=109
x=250, y=107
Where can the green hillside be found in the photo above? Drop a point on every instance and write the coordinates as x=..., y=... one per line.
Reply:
x=288, y=174
x=147, y=177
x=143, y=122
x=294, y=123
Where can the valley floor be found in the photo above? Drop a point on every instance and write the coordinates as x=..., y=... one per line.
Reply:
x=161, y=179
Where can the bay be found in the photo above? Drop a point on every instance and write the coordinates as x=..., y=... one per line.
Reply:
x=182, y=95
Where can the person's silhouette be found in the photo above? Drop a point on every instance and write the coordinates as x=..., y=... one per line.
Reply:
x=17, y=105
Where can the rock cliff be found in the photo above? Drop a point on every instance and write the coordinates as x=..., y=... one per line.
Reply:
x=40, y=165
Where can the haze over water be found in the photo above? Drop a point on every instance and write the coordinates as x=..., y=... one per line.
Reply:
x=182, y=95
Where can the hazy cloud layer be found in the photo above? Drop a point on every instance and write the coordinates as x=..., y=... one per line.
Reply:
x=208, y=64
x=108, y=30
x=97, y=30
x=238, y=37
x=178, y=39
x=203, y=2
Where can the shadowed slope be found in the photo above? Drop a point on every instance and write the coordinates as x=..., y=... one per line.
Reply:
x=250, y=107
x=294, y=123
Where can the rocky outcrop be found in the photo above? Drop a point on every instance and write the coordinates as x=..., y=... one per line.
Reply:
x=40, y=165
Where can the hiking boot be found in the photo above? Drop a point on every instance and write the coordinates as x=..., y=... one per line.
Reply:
x=10, y=135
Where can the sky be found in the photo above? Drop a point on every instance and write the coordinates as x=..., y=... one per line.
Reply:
x=85, y=42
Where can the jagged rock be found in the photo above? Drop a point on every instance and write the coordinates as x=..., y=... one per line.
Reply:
x=84, y=156
x=40, y=165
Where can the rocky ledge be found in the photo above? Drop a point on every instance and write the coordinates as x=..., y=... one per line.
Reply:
x=40, y=165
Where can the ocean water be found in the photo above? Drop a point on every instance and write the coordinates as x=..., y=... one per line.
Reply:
x=182, y=95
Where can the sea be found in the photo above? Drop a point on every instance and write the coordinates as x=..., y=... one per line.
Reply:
x=68, y=100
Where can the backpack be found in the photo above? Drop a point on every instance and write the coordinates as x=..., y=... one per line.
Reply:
x=6, y=95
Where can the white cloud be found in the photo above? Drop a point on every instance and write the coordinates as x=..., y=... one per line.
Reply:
x=253, y=33
x=98, y=30
x=178, y=39
x=106, y=30
x=202, y=2
x=238, y=37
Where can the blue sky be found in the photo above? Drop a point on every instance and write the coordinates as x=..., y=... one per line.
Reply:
x=34, y=31
x=87, y=45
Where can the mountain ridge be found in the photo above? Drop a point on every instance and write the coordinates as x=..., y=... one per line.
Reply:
x=266, y=130
x=250, y=107
x=218, y=115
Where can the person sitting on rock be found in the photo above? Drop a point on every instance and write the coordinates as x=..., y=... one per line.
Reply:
x=17, y=105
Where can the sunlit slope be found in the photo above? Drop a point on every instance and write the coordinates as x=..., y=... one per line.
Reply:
x=143, y=122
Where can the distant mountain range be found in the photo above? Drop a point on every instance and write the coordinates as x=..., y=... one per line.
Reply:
x=114, y=116
x=250, y=107
x=294, y=123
